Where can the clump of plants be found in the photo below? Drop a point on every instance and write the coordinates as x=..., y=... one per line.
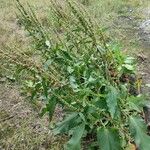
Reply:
x=88, y=75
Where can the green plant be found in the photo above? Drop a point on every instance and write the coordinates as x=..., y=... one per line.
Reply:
x=83, y=73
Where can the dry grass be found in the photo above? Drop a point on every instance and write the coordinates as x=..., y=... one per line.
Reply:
x=20, y=126
x=121, y=20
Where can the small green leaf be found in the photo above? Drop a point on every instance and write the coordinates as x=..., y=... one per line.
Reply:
x=66, y=55
x=47, y=64
x=129, y=60
x=50, y=108
x=148, y=85
x=138, y=132
x=73, y=82
x=45, y=87
x=48, y=43
x=43, y=111
x=111, y=100
x=70, y=69
x=29, y=84
x=35, y=88
x=128, y=67
x=91, y=79
x=108, y=139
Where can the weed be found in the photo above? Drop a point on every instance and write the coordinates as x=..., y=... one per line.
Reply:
x=81, y=70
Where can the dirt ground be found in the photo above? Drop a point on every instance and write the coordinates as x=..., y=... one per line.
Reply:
x=136, y=39
x=20, y=125
x=144, y=55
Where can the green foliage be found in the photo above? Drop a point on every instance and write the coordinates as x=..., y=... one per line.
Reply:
x=75, y=141
x=111, y=100
x=108, y=139
x=82, y=72
x=138, y=131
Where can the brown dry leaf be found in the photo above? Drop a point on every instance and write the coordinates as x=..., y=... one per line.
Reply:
x=131, y=147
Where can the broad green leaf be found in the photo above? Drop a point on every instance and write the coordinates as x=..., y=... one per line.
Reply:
x=75, y=142
x=108, y=139
x=138, y=132
x=111, y=100
x=136, y=103
x=70, y=122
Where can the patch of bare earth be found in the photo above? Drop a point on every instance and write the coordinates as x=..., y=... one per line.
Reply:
x=144, y=40
x=136, y=39
x=20, y=126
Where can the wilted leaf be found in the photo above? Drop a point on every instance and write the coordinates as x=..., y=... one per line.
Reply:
x=131, y=147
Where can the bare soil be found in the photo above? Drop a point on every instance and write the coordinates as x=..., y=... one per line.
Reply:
x=136, y=32
x=144, y=42
x=20, y=126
